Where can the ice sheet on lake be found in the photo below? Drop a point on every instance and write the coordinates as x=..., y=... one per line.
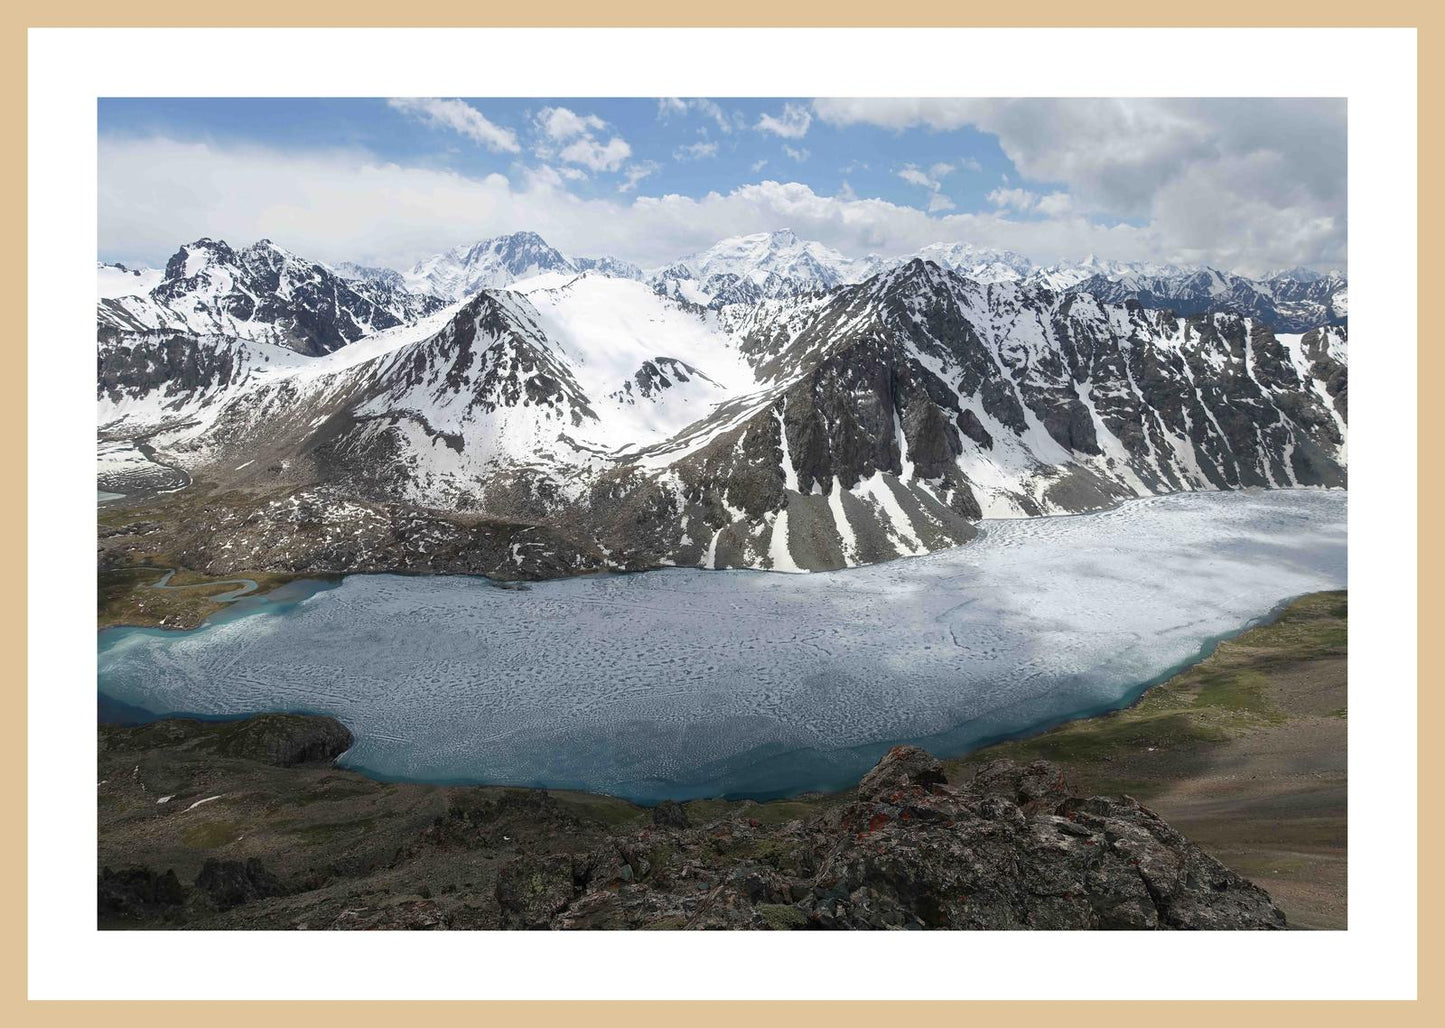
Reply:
x=684, y=683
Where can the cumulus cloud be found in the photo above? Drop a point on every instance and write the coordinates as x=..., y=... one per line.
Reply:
x=458, y=117
x=799, y=154
x=792, y=123
x=598, y=156
x=558, y=123
x=339, y=205
x=759, y=165
x=1238, y=182
x=1016, y=198
x=346, y=204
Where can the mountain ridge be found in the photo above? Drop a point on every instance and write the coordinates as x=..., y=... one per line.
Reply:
x=815, y=430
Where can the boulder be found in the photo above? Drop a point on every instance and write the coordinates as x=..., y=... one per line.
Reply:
x=669, y=814
x=902, y=768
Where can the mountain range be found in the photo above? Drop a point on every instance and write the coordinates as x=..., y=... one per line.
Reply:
x=507, y=409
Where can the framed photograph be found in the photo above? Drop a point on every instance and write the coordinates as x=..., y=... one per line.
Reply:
x=670, y=513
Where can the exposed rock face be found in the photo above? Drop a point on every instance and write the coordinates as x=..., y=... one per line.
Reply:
x=1011, y=849
x=229, y=883
x=1014, y=847
x=870, y=420
x=284, y=739
x=264, y=293
x=1285, y=302
x=138, y=892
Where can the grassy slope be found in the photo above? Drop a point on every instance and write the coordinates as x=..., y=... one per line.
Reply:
x=1245, y=753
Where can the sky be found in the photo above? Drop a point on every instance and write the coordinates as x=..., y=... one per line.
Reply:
x=1245, y=185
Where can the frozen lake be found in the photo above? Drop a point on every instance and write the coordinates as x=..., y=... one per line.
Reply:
x=684, y=683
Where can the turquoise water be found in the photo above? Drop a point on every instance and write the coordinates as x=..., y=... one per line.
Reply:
x=682, y=683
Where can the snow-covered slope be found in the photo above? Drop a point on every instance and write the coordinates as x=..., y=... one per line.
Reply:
x=264, y=293
x=1287, y=303
x=115, y=280
x=764, y=265
x=880, y=418
x=767, y=266
x=461, y=272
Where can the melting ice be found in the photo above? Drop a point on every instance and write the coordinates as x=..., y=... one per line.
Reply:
x=682, y=683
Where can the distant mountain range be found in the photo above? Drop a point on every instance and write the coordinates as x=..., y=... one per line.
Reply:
x=773, y=265
x=505, y=408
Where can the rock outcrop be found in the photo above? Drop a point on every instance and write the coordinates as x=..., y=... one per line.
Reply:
x=1012, y=847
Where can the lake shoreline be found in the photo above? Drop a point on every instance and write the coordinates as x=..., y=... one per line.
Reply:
x=683, y=685
x=934, y=744
x=1267, y=827
x=198, y=618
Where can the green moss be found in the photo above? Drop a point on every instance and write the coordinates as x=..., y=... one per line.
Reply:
x=320, y=834
x=782, y=917
x=1224, y=695
x=211, y=834
x=123, y=596
x=604, y=810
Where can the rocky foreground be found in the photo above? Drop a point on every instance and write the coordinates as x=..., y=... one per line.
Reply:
x=249, y=825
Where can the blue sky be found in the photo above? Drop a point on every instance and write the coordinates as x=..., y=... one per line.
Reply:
x=391, y=181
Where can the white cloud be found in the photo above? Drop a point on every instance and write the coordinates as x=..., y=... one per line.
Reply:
x=1055, y=204
x=759, y=165
x=1242, y=183
x=932, y=180
x=670, y=106
x=695, y=151
x=800, y=154
x=635, y=173
x=791, y=124
x=1017, y=199
x=459, y=117
x=910, y=174
x=559, y=123
x=970, y=164
x=846, y=193
x=338, y=205
x=716, y=113
x=589, y=153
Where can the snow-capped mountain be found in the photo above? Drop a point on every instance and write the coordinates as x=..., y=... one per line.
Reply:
x=779, y=265
x=590, y=421
x=982, y=264
x=761, y=266
x=1286, y=303
x=117, y=279
x=462, y=271
x=262, y=293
